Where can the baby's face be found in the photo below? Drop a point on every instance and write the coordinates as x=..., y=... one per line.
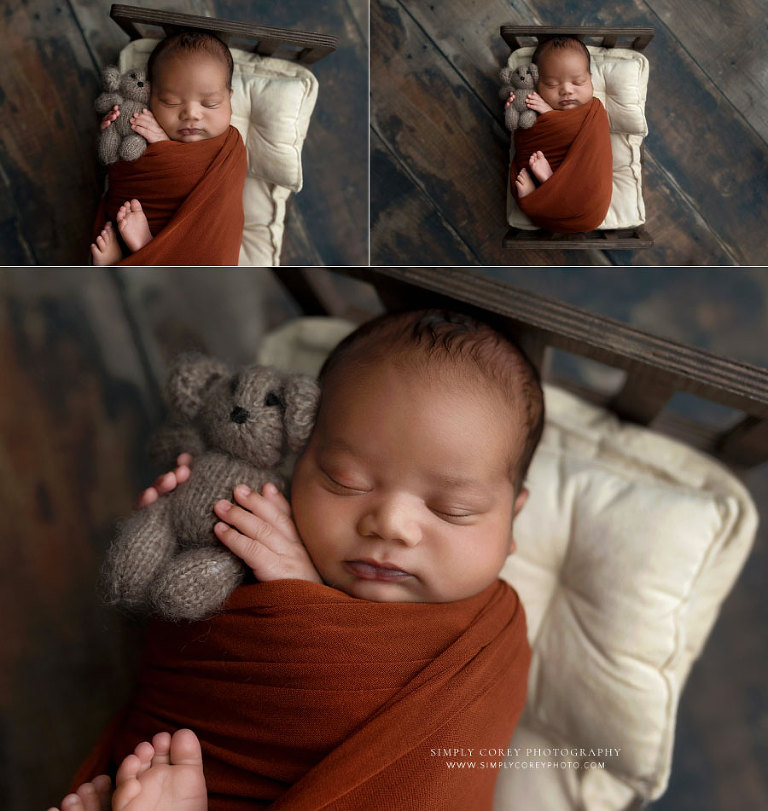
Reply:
x=190, y=99
x=564, y=79
x=403, y=493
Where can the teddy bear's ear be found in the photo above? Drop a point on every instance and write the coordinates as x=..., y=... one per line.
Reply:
x=111, y=79
x=535, y=73
x=189, y=379
x=301, y=394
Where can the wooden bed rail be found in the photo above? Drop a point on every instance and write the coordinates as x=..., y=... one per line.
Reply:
x=636, y=38
x=298, y=46
x=656, y=368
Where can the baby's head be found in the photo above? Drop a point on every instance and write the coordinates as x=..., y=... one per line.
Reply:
x=191, y=79
x=565, y=78
x=414, y=472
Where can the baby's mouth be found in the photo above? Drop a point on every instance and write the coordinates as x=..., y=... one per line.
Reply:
x=370, y=570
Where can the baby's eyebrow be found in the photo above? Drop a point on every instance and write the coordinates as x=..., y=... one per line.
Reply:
x=450, y=482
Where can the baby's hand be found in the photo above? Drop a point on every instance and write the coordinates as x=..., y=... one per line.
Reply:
x=510, y=99
x=537, y=103
x=111, y=116
x=145, y=124
x=168, y=481
x=261, y=532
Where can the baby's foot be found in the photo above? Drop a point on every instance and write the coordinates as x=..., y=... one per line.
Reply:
x=93, y=796
x=106, y=249
x=133, y=226
x=524, y=183
x=540, y=166
x=165, y=775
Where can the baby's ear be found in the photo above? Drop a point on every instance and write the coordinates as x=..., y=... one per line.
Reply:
x=301, y=394
x=188, y=381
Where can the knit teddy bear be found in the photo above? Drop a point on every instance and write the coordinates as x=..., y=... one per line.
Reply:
x=521, y=81
x=130, y=92
x=165, y=558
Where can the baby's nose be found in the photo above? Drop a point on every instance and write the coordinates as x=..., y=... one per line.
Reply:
x=391, y=520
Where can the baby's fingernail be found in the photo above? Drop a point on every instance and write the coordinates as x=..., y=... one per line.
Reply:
x=269, y=489
x=242, y=490
x=223, y=505
x=220, y=527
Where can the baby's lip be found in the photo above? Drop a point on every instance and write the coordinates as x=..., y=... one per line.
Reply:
x=374, y=570
x=190, y=131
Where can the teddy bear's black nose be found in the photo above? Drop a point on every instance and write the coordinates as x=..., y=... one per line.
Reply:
x=239, y=415
x=139, y=84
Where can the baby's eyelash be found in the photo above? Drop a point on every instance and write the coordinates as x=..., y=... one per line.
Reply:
x=343, y=488
x=453, y=517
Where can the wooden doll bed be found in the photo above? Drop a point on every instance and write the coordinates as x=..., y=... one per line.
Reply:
x=631, y=234
x=629, y=543
x=274, y=96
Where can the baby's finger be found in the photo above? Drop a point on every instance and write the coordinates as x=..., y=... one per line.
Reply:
x=184, y=460
x=268, y=509
x=149, y=496
x=274, y=496
x=166, y=483
x=254, y=554
x=251, y=526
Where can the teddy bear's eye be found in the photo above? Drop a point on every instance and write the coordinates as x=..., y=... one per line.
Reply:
x=133, y=76
x=272, y=400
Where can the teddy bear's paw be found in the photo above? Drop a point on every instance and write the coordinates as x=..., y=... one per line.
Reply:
x=195, y=583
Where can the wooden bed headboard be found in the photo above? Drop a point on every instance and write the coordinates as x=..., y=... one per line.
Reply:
x=520, y=36
x=656, y=368
x=298, y=46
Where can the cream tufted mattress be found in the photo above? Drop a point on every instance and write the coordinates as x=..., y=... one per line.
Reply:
x=272, y=104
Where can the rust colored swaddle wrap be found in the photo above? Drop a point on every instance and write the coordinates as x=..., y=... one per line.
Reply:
x=305, y=698
x=192, y=195
x=577, y=145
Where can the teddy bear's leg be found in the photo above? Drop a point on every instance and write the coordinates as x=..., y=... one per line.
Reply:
x=527, y=119
x=195, y=583
x=109, y=145
x=132, y=147
x=511, y=117
x=144, y=542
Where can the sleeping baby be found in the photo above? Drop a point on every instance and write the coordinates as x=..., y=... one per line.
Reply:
x=193, y=171
x=562, y=174
x=377, y=629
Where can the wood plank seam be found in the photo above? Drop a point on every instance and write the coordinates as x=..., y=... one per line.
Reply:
x=420, y=186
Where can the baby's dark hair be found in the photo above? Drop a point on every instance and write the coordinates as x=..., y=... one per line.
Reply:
x=190, y=42
x=429, y=335
x=559, y=43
